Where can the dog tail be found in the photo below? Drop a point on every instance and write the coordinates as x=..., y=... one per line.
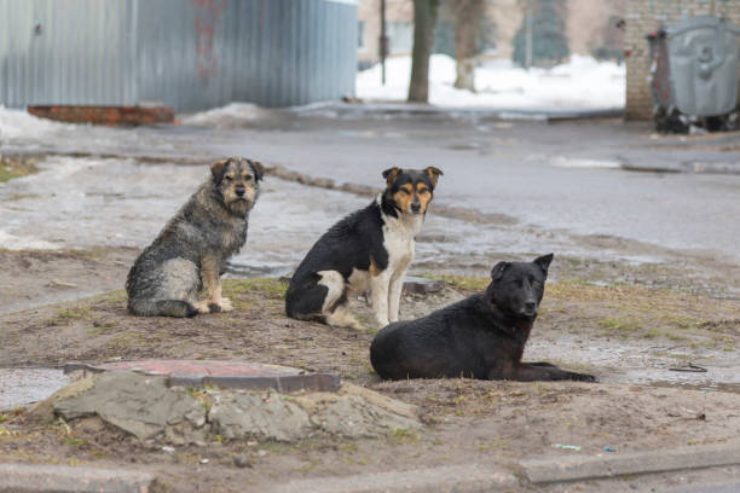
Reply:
x=162, y=308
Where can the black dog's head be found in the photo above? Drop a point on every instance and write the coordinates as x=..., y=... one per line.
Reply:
x=517, y=287
x=409, y=191
x=236, y=181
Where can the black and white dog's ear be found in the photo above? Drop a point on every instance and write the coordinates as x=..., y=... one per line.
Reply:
x=498, y=270
x=390, y=174
x=543, y=262
x=218, y=169
x=258, y=168
x=434, y=174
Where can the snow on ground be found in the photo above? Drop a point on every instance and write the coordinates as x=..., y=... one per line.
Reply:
x=17, y=124
x=231, y=115
x=581, y=84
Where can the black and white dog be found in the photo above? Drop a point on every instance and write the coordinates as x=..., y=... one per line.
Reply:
x=367, y=251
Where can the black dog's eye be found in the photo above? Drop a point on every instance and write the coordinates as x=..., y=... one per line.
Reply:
x=228, y=178
x=247, y=177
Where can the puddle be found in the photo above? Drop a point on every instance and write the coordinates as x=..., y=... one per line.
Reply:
x=23, y=386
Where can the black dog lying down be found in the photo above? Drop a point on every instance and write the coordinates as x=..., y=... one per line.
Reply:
x=482, y=336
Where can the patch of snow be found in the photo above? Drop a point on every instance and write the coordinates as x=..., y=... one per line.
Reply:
x=581, y=84
x=17, y=124
x=230, y=116
x=10, y=241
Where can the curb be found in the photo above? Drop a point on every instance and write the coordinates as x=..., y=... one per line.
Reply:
x=400, y=108
x=43, y=478
x=460, y=479
x=579, y=468
x=695, y=167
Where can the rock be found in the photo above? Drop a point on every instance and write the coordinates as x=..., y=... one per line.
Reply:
x=44, y=410
x=141, y=405
x=145, y=407
x=422, y=285
x=351, y=414
x=242, y=461
x=377, y=399
x=264, y=416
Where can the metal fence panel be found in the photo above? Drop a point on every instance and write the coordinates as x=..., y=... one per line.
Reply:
x=72, y=51
x=189, y=54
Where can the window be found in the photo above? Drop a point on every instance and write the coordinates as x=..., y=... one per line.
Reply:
x=400, y=37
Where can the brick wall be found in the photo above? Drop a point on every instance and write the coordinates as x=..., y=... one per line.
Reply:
x=646, y=16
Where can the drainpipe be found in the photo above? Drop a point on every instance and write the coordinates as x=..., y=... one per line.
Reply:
x=383, y=42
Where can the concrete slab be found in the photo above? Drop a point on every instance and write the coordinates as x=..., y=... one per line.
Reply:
x=223, y=374
x=460, y=479
x=579, y=468
x=42, y=478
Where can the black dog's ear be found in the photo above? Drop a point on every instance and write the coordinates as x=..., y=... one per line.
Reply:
x=434, y=174
x=259, y=169
x=544, y=261
x=217, y=170
x=390, y=174
x=498, y=270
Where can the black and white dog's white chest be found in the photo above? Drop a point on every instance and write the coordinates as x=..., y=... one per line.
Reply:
x=399, y=240
x=397, y=237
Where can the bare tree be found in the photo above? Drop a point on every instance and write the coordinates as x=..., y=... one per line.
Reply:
x=425, y=20
x=468, y=22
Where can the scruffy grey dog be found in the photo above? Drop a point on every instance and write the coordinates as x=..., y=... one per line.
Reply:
x=179, y=274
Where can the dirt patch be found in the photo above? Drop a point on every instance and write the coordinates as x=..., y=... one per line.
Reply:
x=32, y=278
x=466, y=421
x=99, y=329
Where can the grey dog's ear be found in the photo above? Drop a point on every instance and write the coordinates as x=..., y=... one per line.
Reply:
x=498, y=270
x=218, y=168
x=544, y=262
x=434, y=174
x=259, y=169
x=390, y=174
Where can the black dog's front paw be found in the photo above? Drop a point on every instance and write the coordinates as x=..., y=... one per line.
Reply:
x=214, y=308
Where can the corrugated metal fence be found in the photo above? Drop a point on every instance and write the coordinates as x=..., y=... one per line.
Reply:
x=188, y=54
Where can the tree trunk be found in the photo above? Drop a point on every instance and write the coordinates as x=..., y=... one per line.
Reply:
x=425, y=20
x=468, y=14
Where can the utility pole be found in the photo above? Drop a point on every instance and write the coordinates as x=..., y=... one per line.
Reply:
x=383, y=43
x=528, y=38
